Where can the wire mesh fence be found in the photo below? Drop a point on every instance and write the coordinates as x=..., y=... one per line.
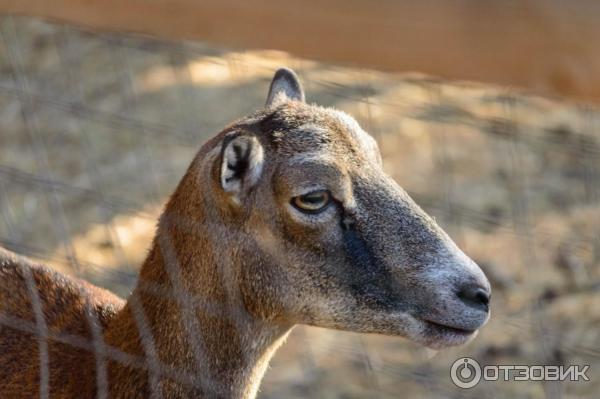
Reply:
x=96, y=130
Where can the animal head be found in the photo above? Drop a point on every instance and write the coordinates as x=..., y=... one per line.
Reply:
x=319, y=234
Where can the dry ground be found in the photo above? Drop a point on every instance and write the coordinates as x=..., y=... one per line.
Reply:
x=96, y=130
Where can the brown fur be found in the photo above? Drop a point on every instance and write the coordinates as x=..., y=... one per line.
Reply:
x=234, y=266
x=64, y=302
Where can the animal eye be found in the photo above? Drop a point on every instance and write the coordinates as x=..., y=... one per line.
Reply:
x=313, y=202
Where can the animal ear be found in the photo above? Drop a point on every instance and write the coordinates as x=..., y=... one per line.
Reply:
x=241, y=165
x=285, y=86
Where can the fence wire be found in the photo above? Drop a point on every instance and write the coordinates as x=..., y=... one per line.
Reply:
x=96, y=129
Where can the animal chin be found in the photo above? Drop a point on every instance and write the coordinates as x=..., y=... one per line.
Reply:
x=439, y=336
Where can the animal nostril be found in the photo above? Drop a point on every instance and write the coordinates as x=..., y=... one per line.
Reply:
x=482, y=296
x=475, y=296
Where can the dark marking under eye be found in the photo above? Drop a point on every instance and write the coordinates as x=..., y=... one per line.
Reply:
x=355, y=247
x=371, y=281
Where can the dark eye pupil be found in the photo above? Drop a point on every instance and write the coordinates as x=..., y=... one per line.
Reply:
x=313, y=198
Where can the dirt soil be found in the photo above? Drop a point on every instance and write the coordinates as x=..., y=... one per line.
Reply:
x=96, y=130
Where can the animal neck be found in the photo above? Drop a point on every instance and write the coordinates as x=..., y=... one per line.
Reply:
x=187, y=318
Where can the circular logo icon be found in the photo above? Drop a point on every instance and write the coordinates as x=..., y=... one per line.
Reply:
x=465, y=372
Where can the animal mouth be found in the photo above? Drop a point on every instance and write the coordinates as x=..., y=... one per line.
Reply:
x=437, y=335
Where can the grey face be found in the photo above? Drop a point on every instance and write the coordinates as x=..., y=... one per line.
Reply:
x=413, y=269
x=341, y=245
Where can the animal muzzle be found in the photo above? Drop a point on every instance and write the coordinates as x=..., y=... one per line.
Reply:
x=454, y=304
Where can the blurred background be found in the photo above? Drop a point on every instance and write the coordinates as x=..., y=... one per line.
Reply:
x=97, y=128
